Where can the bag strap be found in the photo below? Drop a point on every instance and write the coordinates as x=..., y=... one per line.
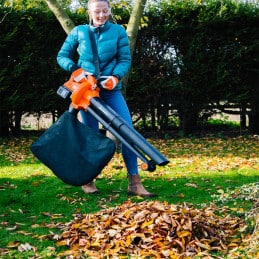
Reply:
x=95, y=52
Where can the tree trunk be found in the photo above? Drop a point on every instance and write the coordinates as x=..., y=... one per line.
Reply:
x=243, y=113
x=4, y=124
x=188, y=121
x=132, y=31
x=64, y=20
x=254, y=118
x=17, y=119
x=254, y=113
x=134, y=23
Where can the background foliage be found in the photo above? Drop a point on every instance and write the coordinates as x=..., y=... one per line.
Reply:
x=191, y=60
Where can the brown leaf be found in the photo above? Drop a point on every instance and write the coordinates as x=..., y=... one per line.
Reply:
x=13, y=244
x=151, y=229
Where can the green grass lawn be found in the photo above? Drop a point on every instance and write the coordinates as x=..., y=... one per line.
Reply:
x=34, y=202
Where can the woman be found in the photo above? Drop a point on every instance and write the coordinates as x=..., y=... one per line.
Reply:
x=114, y=62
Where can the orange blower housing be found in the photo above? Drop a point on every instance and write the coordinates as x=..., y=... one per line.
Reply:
x=81, y=92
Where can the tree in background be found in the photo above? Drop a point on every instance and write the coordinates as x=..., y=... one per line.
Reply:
x=191, y=59
x=59, y=10
x=61, y=15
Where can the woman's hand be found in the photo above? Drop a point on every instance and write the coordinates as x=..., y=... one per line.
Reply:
x=109, y=82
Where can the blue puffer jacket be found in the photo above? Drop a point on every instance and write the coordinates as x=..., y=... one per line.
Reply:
x=112, y=45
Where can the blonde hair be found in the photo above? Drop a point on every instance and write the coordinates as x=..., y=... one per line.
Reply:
x=94, y=1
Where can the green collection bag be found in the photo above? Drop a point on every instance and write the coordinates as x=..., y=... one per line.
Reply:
x=74, y=152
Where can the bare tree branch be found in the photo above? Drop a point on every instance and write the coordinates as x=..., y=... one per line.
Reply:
x=64, y=20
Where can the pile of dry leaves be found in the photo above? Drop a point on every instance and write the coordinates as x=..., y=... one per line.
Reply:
x=151, y=229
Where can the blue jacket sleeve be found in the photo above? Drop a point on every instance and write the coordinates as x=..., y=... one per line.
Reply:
x=67, y=52
x=123, y=55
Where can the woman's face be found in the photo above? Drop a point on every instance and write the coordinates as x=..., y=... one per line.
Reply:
x=99, y=13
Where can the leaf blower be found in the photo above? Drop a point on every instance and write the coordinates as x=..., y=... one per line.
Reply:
x=83, y=89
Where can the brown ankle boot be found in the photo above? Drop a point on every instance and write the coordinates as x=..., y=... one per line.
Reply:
x=136, y=188
x=90, y=188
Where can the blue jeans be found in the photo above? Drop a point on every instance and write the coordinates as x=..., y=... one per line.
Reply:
x=117, y=102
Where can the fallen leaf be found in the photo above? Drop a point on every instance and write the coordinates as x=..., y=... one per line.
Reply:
x=25, y=247
x=13, y=244
x=150, y=229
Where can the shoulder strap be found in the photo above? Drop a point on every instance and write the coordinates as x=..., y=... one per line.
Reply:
x=95, y=52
